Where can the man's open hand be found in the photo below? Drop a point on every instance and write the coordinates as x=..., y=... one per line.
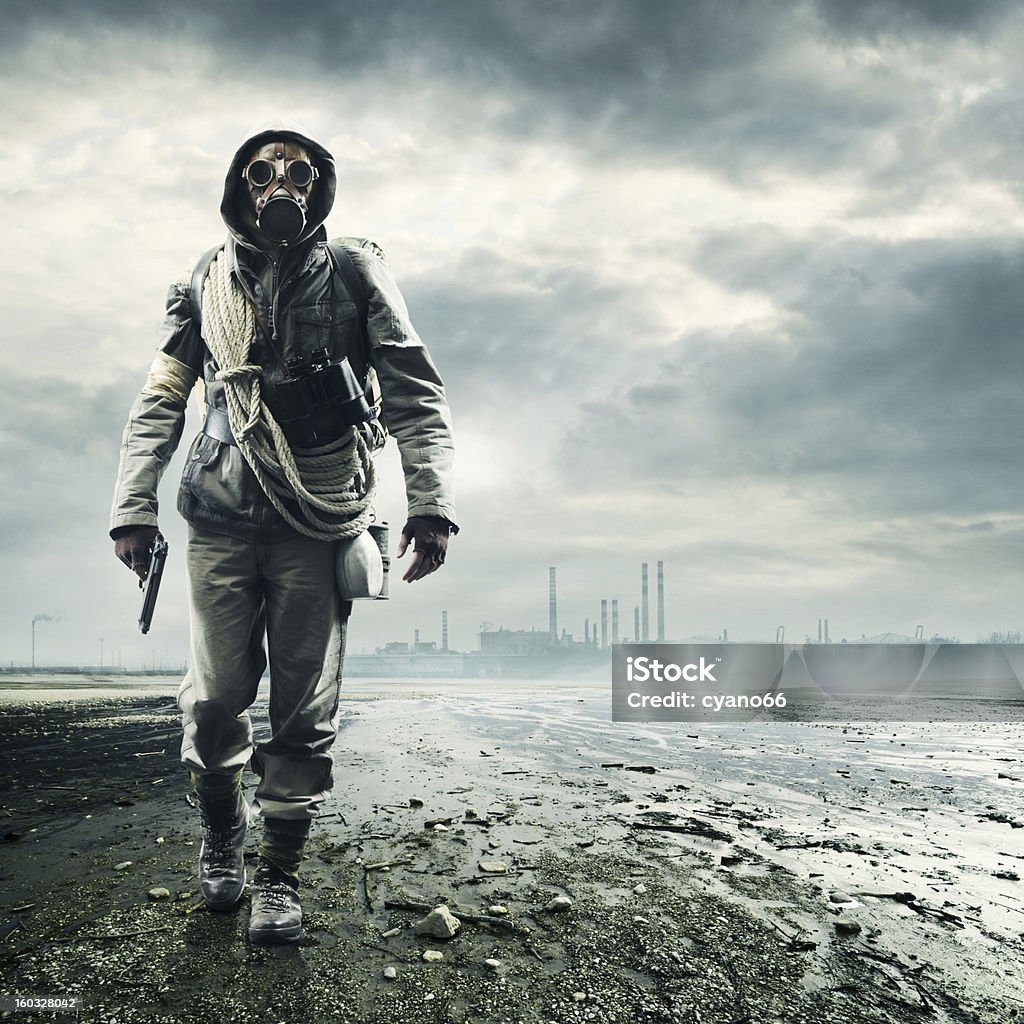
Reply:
x=431, y=536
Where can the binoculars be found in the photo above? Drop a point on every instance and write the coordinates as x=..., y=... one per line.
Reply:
x=319, y=400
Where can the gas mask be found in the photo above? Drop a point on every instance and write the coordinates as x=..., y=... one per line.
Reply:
x=280, y=177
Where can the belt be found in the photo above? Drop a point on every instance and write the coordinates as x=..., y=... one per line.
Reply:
x=217, y=425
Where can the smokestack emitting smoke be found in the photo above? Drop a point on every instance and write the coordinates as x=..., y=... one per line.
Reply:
x=643, y=601
x=552, y=605
x=604, y=624
x=661, y=602
x=615, y=620
x=41, y=617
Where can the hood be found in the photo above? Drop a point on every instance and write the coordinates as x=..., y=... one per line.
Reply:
x=236, y=207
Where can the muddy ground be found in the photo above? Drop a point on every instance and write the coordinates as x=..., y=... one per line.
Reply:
x=705, y=888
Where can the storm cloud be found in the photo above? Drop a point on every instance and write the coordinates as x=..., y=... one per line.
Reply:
x=730, y=285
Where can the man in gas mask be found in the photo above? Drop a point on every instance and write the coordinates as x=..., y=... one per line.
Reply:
x=309, y=360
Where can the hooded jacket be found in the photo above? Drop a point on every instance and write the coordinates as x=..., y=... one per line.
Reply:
x=303, y=304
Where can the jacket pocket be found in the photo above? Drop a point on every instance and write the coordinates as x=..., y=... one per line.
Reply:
x=195, y=456
x=310, y=327
x=218, y=486
x=330, y=325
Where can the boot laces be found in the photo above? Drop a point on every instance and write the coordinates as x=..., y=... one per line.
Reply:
x=274, y=892
x=218, y=840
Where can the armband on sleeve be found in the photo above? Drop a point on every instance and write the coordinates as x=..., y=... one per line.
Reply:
x=169, y=378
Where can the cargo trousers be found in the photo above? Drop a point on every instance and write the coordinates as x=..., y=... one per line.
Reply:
x=240, y=592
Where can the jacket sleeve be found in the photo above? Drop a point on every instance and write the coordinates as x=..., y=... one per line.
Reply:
x=413, y=398
x=157, y=415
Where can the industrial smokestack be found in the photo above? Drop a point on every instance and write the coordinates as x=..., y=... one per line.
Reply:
x=615, y=620
x=643, y=601
x=819, y=631
x=444, y=631
x=826, y=632
x=586, y=632
x=552, y=605
x=604, y=624
x=595, y=634
x=661, y=602
x=416, y=638
x=636, y=622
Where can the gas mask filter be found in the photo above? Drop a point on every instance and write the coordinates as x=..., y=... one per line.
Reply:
x=280, y=187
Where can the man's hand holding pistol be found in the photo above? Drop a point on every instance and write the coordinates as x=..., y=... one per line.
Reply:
x=144, y=550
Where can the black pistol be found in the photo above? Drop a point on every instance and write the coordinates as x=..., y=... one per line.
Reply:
x=157, y=557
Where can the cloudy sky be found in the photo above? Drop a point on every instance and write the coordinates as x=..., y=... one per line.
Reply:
x=732, y=285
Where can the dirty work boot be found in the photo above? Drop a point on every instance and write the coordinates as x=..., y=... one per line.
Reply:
x=225, y=819
x=276, y=912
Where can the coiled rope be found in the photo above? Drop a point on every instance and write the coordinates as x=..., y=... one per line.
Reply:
x=332, y=484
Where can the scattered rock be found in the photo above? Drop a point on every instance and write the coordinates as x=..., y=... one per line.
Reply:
x=639, y=890
x=559, y=904
x=415, y=802
x=391, y=933
x=497, y=910
x=159, y=893
x=123, y=866
x=847, y=928
x=390, y=973
x=1007, y=876
x=494, y=843
x=836, y=896
x=430, y=955
x=440, y=827
x=1002, y=818
x=492, y=963
x=493, y=867
x=579, y=997
x=439, y=923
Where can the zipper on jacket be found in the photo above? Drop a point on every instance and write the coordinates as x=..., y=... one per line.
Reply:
x=273, y=298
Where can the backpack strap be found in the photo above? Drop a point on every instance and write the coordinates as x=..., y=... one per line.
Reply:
x=196, y=291
x=346, y=270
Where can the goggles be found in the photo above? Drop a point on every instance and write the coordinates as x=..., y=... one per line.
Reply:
x=260, y=173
